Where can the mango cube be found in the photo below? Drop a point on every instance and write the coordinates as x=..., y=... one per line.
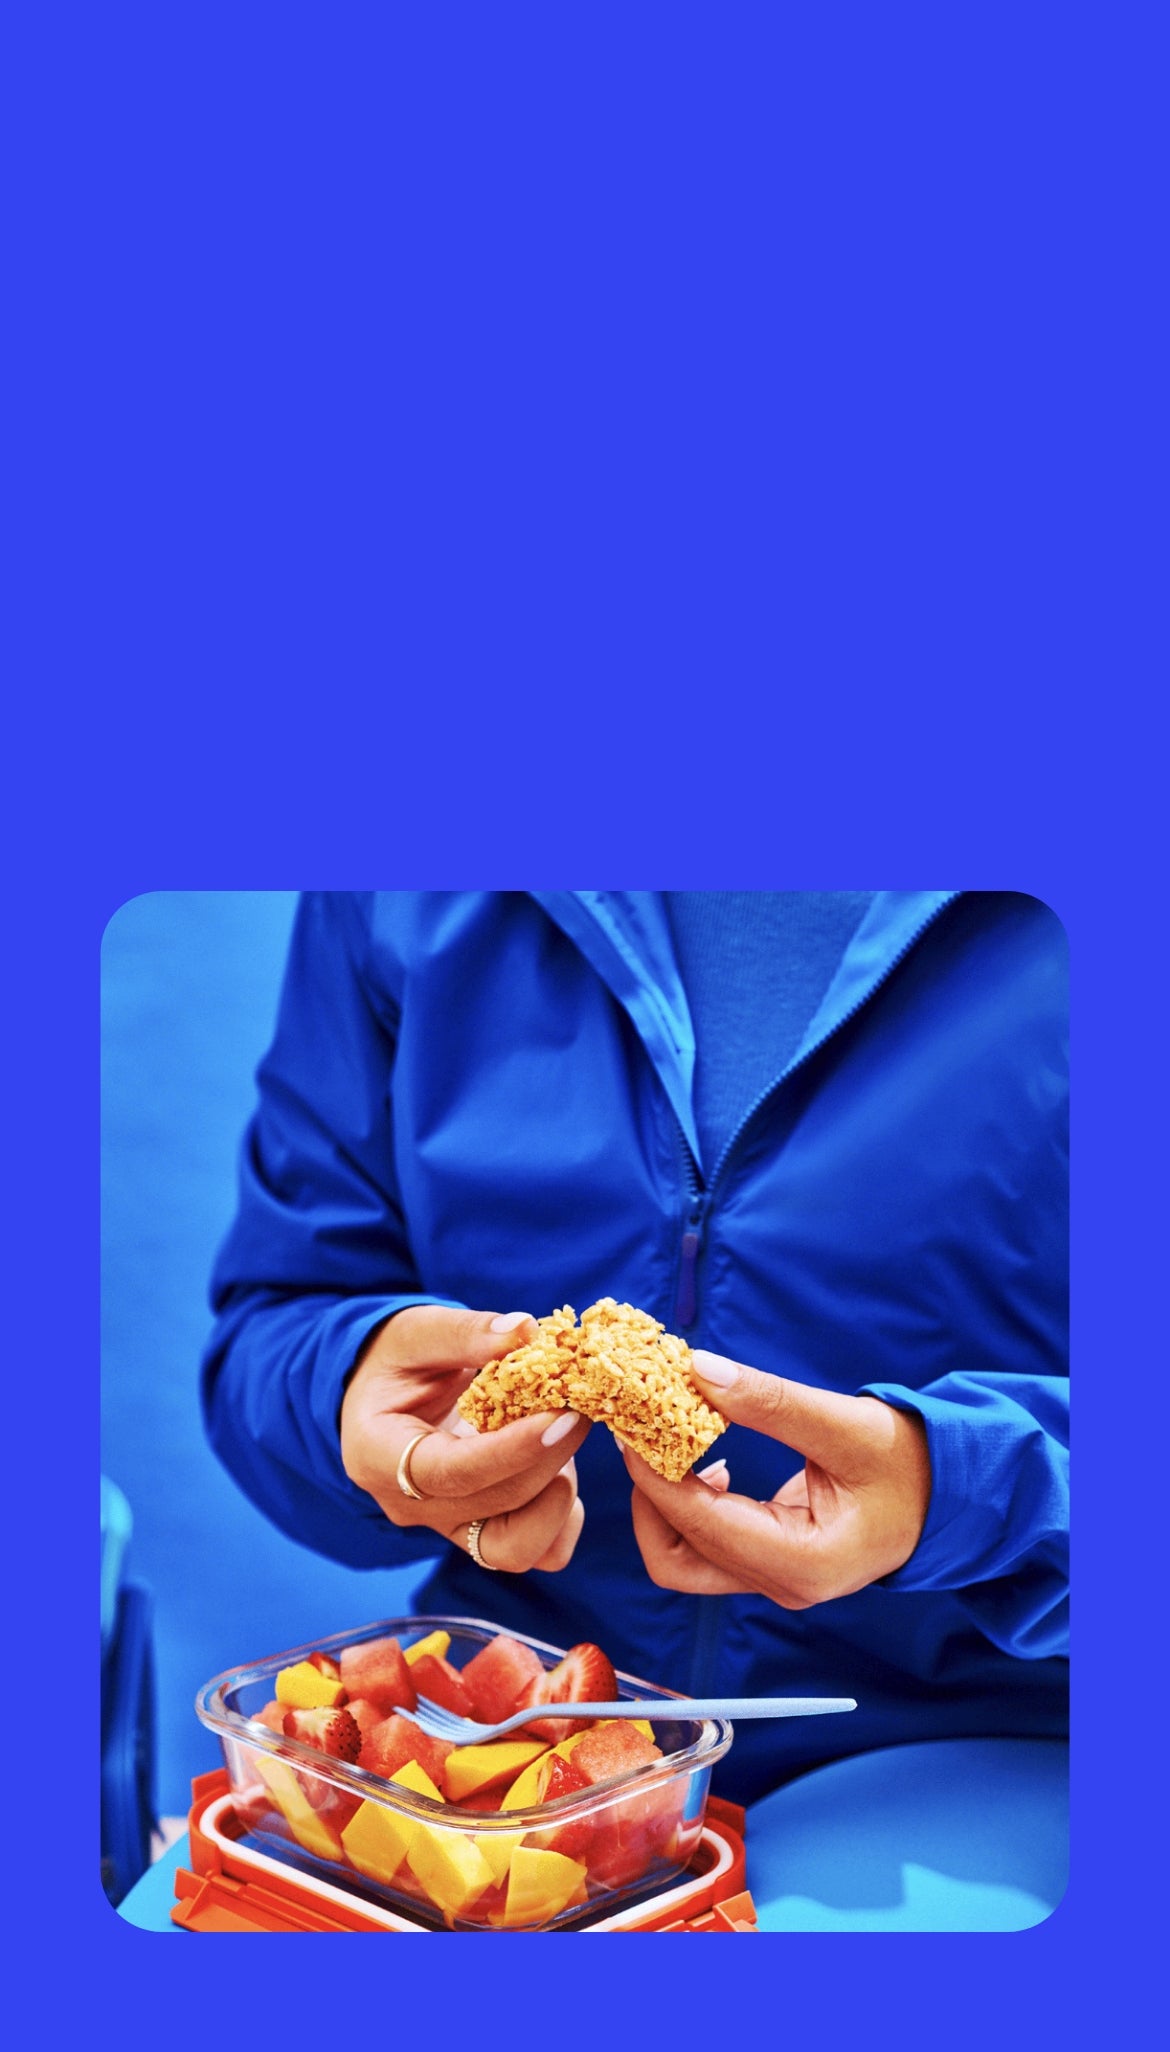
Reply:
x=435, y=1642
x=411, y=1775
x=375, y=1841
x=540, y=1886
x=497, y=1848
x=310, y=1830
x=304, y=1687
x=450, y=1867
x=468, y=1769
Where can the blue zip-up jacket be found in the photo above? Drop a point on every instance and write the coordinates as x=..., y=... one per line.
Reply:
x=484, y=1098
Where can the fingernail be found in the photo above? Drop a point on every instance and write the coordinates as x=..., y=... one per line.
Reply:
x=507, y=1321
x=713, y=1368
x=463, y=1429
x=708, y=1474
x=558, y=1428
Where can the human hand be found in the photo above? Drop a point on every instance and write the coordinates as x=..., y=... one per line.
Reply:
x=521, y=1478
x=853, y=1513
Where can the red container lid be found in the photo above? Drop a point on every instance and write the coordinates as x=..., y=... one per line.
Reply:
x=232, y=1887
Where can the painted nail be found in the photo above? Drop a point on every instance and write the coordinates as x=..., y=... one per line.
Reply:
x=508, y=1321
x=709, y=1474
x=715, y=1369
x=558, y=1428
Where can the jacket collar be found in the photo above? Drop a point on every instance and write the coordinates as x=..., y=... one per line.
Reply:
x=625, y=936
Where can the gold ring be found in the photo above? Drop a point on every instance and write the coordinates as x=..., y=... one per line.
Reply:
x=403, y=1476
x=473, y=1532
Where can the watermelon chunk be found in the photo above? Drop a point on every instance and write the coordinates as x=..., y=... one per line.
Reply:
x=435, y=1677
x=395, y=1741
x=377, y=1671
x=630, y=1833
x=498, y=1676
x=630, y=1836
x=615, y=1747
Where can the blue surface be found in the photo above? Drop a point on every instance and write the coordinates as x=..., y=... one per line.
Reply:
x=189, y=989
x=959, y=1835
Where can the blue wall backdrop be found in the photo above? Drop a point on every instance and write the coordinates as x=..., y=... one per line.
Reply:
x=190, y=981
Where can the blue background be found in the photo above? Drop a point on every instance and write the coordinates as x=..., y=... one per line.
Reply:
x=189, y=989
x=527, y=446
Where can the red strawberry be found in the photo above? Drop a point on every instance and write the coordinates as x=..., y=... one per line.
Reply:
x=498, y=1676
x=395, y=1741
x=436, y=1678
x=325, y=1665
x=378, y=1671
x=328, y=1731
x=562, y=1778
x=585, y=1675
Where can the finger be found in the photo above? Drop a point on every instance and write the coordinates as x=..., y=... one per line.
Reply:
x=758, y=1544
x=671, y=1561
x=717, y=1476
x=441, y=1336
x=515, y=1541
x=795, y=1491
x=528, y=1452
x=560, y=1553
x=834, y=1430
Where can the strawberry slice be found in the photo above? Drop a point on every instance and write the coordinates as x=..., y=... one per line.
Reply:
x=561, y=1778
x=333, y=1732
x=365, y=1715
x=585, y=1675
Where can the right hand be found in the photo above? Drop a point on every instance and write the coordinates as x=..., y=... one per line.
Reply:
x=407, y=1380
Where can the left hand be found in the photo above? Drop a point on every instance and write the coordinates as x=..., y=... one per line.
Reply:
x=853, y=1514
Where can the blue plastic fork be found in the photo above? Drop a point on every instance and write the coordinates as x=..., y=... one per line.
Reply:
x=464, y=1731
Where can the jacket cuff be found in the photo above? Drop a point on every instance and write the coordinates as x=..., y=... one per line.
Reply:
x=992, y=1503
x=344, y=1332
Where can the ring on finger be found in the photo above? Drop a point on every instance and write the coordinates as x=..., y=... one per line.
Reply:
x=473, y=1531
x=402, y=1476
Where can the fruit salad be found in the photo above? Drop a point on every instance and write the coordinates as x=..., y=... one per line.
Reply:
x=543, y=1828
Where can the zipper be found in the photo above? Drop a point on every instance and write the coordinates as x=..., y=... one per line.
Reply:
x=686, y=1303
x=699, y=1196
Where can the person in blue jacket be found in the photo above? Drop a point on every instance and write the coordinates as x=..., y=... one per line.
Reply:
x=823, y=1136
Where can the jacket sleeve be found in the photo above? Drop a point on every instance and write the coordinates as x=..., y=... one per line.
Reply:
x=318, y=1255
x=996, y=1533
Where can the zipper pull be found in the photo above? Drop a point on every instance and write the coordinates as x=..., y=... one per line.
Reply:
x=686, y=1307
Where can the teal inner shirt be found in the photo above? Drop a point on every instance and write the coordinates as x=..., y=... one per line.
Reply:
x=755, y=966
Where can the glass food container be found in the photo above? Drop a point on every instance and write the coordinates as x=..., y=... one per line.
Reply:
x=496, y=1859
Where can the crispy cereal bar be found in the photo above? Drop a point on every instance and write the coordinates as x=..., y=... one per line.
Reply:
x=620, y=1367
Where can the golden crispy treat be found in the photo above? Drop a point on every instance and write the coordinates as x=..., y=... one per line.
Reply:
x=619, y=1367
